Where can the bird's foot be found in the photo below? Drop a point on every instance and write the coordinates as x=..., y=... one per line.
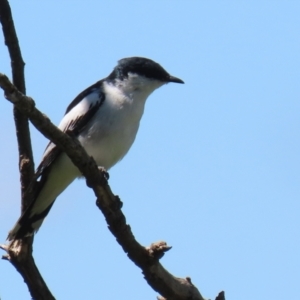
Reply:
x=105, y=173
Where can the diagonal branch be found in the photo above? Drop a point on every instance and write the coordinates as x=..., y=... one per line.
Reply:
x=147, y=259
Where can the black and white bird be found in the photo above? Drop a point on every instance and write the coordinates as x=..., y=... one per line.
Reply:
x=105, y=118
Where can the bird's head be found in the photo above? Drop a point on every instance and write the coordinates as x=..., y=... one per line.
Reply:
x=140, y=72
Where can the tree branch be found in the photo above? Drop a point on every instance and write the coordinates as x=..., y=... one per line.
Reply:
x=22, y=258
x=26, y=163
x=147, y=259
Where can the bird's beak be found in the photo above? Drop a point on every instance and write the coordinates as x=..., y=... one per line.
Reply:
x=175, y=79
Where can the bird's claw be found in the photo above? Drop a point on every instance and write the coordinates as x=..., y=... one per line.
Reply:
x=105, y=173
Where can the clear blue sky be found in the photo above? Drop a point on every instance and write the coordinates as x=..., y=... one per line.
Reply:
x=215, y=167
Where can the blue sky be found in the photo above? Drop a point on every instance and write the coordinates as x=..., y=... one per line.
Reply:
x=215, y=167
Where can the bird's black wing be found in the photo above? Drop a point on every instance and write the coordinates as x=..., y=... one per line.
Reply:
x=95, y=87
x=74, y=125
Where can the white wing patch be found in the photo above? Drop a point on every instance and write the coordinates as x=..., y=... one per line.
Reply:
x=79, y=110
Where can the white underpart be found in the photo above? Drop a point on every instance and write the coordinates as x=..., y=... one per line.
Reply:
x=107, y=137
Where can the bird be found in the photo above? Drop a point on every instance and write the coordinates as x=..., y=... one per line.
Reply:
x=105, y=119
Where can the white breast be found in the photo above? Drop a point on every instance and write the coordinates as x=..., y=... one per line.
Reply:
x=111, y=132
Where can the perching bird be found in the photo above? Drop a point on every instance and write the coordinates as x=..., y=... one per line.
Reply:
x=105, y=118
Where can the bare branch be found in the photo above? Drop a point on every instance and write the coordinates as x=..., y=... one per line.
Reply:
x=147, y=259
x=26, y=164
x=20, y=252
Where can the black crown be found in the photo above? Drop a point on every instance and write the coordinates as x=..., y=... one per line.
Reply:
x=141, y=66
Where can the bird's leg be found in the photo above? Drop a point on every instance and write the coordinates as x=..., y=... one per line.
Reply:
x=105, y=173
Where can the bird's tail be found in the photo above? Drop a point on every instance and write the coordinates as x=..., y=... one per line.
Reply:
x=53, y=182
x=29, y=222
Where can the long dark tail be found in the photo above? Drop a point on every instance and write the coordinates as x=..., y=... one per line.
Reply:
x=53, y=182
x=28, y=224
